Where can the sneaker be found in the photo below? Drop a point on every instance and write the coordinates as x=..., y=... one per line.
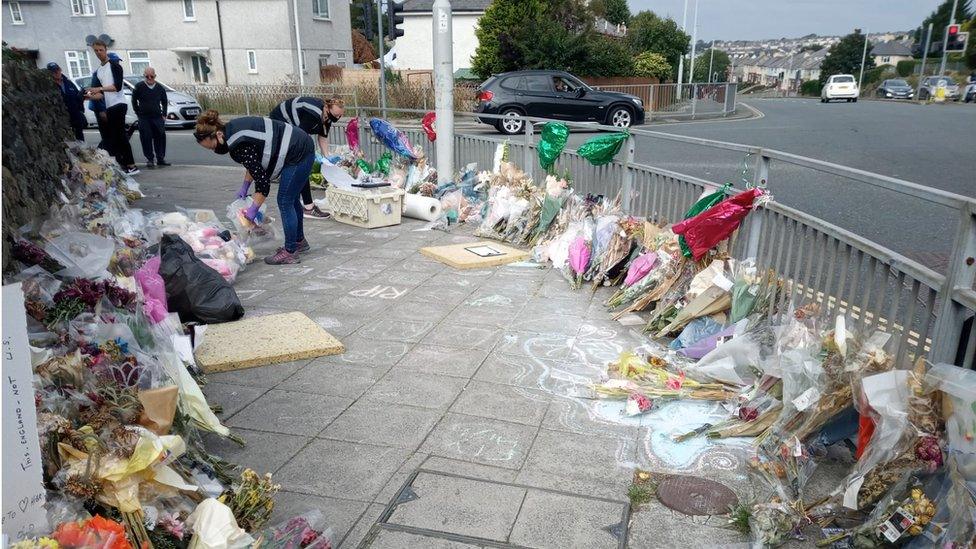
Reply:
x=151, y=165
x=132, y=170
x=315, y=213
x=162, y=163
x=282, y=257
x=303, y=247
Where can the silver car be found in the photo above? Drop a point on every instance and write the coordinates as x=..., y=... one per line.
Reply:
x=930, y=84
x=182, y=110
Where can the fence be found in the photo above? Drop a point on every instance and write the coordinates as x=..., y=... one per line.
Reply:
x=926, y=312
x=692, y=100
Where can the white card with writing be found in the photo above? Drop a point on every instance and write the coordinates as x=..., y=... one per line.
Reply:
x=23, y=491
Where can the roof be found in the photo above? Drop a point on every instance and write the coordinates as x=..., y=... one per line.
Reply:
x=426, y=6
x=892, y=48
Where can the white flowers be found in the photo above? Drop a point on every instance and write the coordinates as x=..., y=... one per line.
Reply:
x=555, y=187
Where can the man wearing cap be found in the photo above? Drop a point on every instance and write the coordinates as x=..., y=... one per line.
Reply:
x=73, y=100
x=150, y=103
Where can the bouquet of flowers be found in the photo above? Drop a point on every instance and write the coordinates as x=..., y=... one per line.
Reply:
x=301, y=532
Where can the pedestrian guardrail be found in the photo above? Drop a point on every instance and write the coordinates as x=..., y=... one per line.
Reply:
x=693, y=100
x=928, y=313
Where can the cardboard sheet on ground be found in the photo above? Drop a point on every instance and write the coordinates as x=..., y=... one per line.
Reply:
x=264, y=340
x=475, y=255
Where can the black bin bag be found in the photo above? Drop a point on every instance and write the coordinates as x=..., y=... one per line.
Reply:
x=193, y=290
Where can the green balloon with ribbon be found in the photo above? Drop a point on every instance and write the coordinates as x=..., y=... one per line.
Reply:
x=601, y=149
x=552, y=143
x=383, y=164
x=364, y=166
x=703, y=204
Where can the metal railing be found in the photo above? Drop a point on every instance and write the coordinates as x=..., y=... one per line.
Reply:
x=927, y=313
x=694, y=100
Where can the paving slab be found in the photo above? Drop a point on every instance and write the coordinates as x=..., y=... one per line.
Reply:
x=341, y=469
x=460, y=506
x=262, y=376
x=415, y=389
x=390, y=539
x=441, y=360
x=290, y=412
x=230, y=397
x=556, y=521
x=379, y=423
x=362, y=527
x=328, y=378
x=410, y=309
x=505, y=402
x=480, y=440
x=515, y=369
x=467, y=336
x=535, y=345
x=370, y=353
x=402, y=475
x=264, y=452
x=656, y=526
x=339, y=514
x=410, y=331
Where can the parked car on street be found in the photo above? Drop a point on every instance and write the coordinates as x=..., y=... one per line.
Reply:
x=931, y=84
x=553, y=94
x=182, y=111
x=895, y=89
x=840, y=86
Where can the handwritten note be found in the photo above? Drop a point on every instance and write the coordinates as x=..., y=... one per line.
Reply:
x=23, y=492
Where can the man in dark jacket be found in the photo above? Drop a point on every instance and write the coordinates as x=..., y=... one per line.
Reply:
x=73, y=100
x=150, y=103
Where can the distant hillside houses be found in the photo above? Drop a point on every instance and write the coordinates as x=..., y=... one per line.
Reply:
x=780, y=71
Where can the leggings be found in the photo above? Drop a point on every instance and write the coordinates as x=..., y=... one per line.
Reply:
x=294, y=178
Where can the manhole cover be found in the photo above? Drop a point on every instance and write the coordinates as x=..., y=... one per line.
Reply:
x=695, y=495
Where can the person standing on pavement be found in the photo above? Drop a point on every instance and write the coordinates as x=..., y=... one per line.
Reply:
x=74, y=101
x=315, y=117
x=150, y=103
x=109, y=76
x=267, y=149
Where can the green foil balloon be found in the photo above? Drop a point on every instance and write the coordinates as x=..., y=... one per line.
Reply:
x=554, y=137
x=601, y=149
x=364, y=166
x=703, y=204
x=383, y=164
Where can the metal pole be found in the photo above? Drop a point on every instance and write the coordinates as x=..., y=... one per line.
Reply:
x=786, y=76
x=694, y=42
x=925, y=56
x=951, y=316
x=626, y=188
x=945, y=37
x=681, y=58
x=444, y=88
x=379, y=29
x=760, y=178
x=864, y=58
x=298, y=42
x=528, y=160
x=711, y=60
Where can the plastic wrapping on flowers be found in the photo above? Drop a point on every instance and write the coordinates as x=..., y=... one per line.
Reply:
x=120, y=416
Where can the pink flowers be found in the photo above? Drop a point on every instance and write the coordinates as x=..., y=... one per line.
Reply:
x=675, y=383
x=639, y=268
x=579, y=258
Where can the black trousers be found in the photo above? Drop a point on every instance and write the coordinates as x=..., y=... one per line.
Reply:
x=102, y=120
x=79, y=131
x=152, y=134
x=307, y=194
x=117, y=137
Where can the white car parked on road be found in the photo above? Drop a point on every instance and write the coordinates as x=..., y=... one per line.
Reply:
x=840, y=86
x=182, y=112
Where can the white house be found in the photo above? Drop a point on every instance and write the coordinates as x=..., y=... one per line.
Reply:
x=415, y=47
x=890, y=53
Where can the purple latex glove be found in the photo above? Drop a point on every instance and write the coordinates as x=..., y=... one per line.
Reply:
x=246, y=186
x=253, y=213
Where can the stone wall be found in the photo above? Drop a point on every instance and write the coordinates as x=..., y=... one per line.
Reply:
x=35, y=127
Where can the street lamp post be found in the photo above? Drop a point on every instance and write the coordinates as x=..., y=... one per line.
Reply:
x=864, y=58
x=711, y=60
x=694, y=42
x=379, y=34
x=444, y=88
x=681, y=58
x=925, y=56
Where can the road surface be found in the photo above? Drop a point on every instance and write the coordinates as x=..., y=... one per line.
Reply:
x=931, y=145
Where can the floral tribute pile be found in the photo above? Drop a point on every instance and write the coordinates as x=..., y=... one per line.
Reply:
x=801, y=385
x=120, y=412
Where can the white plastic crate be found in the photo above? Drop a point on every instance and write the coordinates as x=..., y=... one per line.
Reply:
x=367, y=208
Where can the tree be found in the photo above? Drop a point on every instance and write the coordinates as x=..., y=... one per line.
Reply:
x=652, y=65
x=362, y=50
x=844, y=57
x=649, y=33
x=720, y=64
x=970, y=54
x=496, y=27
x=940, y=20
x=614, y=11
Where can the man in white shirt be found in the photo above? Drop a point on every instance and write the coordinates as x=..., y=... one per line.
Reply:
x=109, y=75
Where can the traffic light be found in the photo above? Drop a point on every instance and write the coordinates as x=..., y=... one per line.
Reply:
x=393, y=19
x=955, y=40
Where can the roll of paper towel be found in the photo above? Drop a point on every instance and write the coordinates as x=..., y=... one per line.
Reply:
x=421, y=207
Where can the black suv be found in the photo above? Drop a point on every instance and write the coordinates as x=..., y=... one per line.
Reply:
x=553, y=94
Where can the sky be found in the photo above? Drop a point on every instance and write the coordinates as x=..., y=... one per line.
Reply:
x=755, y=19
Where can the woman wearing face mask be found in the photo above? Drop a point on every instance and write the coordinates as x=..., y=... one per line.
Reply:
x=315, y=117
x=267, y=149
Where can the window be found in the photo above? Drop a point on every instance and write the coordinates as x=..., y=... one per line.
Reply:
x=138, y=61
x=252, y=61
x=320, y=9
x=886, y=59
x=116, y=7
x=77, y=61
x=342, y=59
x=538, y=83
x=564, y=85
x=200, y=69
x=83, y=8
x=16, y=17
x=188, y=11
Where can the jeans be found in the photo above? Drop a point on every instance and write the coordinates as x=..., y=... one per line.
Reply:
x=117, y=137
x=294, y=178
x=152, y=134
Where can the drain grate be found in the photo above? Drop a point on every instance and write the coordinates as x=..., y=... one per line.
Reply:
x=696, y=495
